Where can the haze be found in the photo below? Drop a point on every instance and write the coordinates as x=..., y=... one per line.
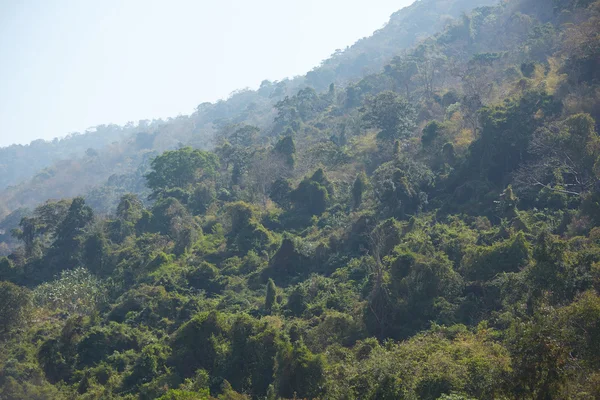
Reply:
x=69, y=65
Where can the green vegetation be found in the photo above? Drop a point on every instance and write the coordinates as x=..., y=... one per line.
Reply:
x=429, y=231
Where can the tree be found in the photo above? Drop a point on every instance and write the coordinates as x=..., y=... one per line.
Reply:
x=403, y=70
x=430, y=133
x=171, y=218
x=244, y=136
x=287, y=148
x=246, y=231
x=565, y=157
x=38, y=229
x=507, y=205
x=15, y=303
x=379, y=301
x=265, y=169
x=181, y=169
x=540, y=355
x=391, y=114
x=203, y=197
x=196, y=344
x=95, y=252
x=70, y=230
x=280, y=192
x=271, y=296
x=570, y=4
x=485, y=262
x=429, y=68
x=300, y=372
x=360, y=184
x=291, y=111
x=26, y=233
x=401, y=186
x=312, y=194
x=428, y=287
x=130, y=208
x=506, y=133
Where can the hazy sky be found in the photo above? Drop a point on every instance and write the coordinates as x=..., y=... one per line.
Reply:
x=66, y=65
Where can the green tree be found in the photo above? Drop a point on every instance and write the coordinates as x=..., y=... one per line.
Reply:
x=198, y=343
x=507, y=130
x=69, y=232
x=391, y=114
x=203, y=197
x=280, y=192
x=271, y=296
x=180, y=169
x=15, y=307
x=287, y=148
x=358, y=188
x=430, y=133
x=313, y=194
x=96, y=252
x=130, y=208
x=244, y=136
x=27, y=233
x=484, y=262
x=37, y=230
x=246, y=232
x=300, y=372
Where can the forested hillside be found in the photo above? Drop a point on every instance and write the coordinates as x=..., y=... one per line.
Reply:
x=427, y=231
x=89, y=163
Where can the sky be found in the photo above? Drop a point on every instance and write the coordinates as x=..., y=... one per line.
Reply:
x=68, y=65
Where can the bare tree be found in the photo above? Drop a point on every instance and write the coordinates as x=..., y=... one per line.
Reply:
x=564, y=154
x=265, y=169
x=430, y=71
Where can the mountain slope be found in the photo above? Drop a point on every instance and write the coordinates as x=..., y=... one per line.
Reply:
x=65, y=168
x=431, y=231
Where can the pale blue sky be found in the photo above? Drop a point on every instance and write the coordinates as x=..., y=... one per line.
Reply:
x=66, y=65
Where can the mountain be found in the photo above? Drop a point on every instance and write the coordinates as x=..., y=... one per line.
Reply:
x=405, y=28
x=430, y=230
x=81, y=163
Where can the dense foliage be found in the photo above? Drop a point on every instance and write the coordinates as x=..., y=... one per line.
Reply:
x=430, y=231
